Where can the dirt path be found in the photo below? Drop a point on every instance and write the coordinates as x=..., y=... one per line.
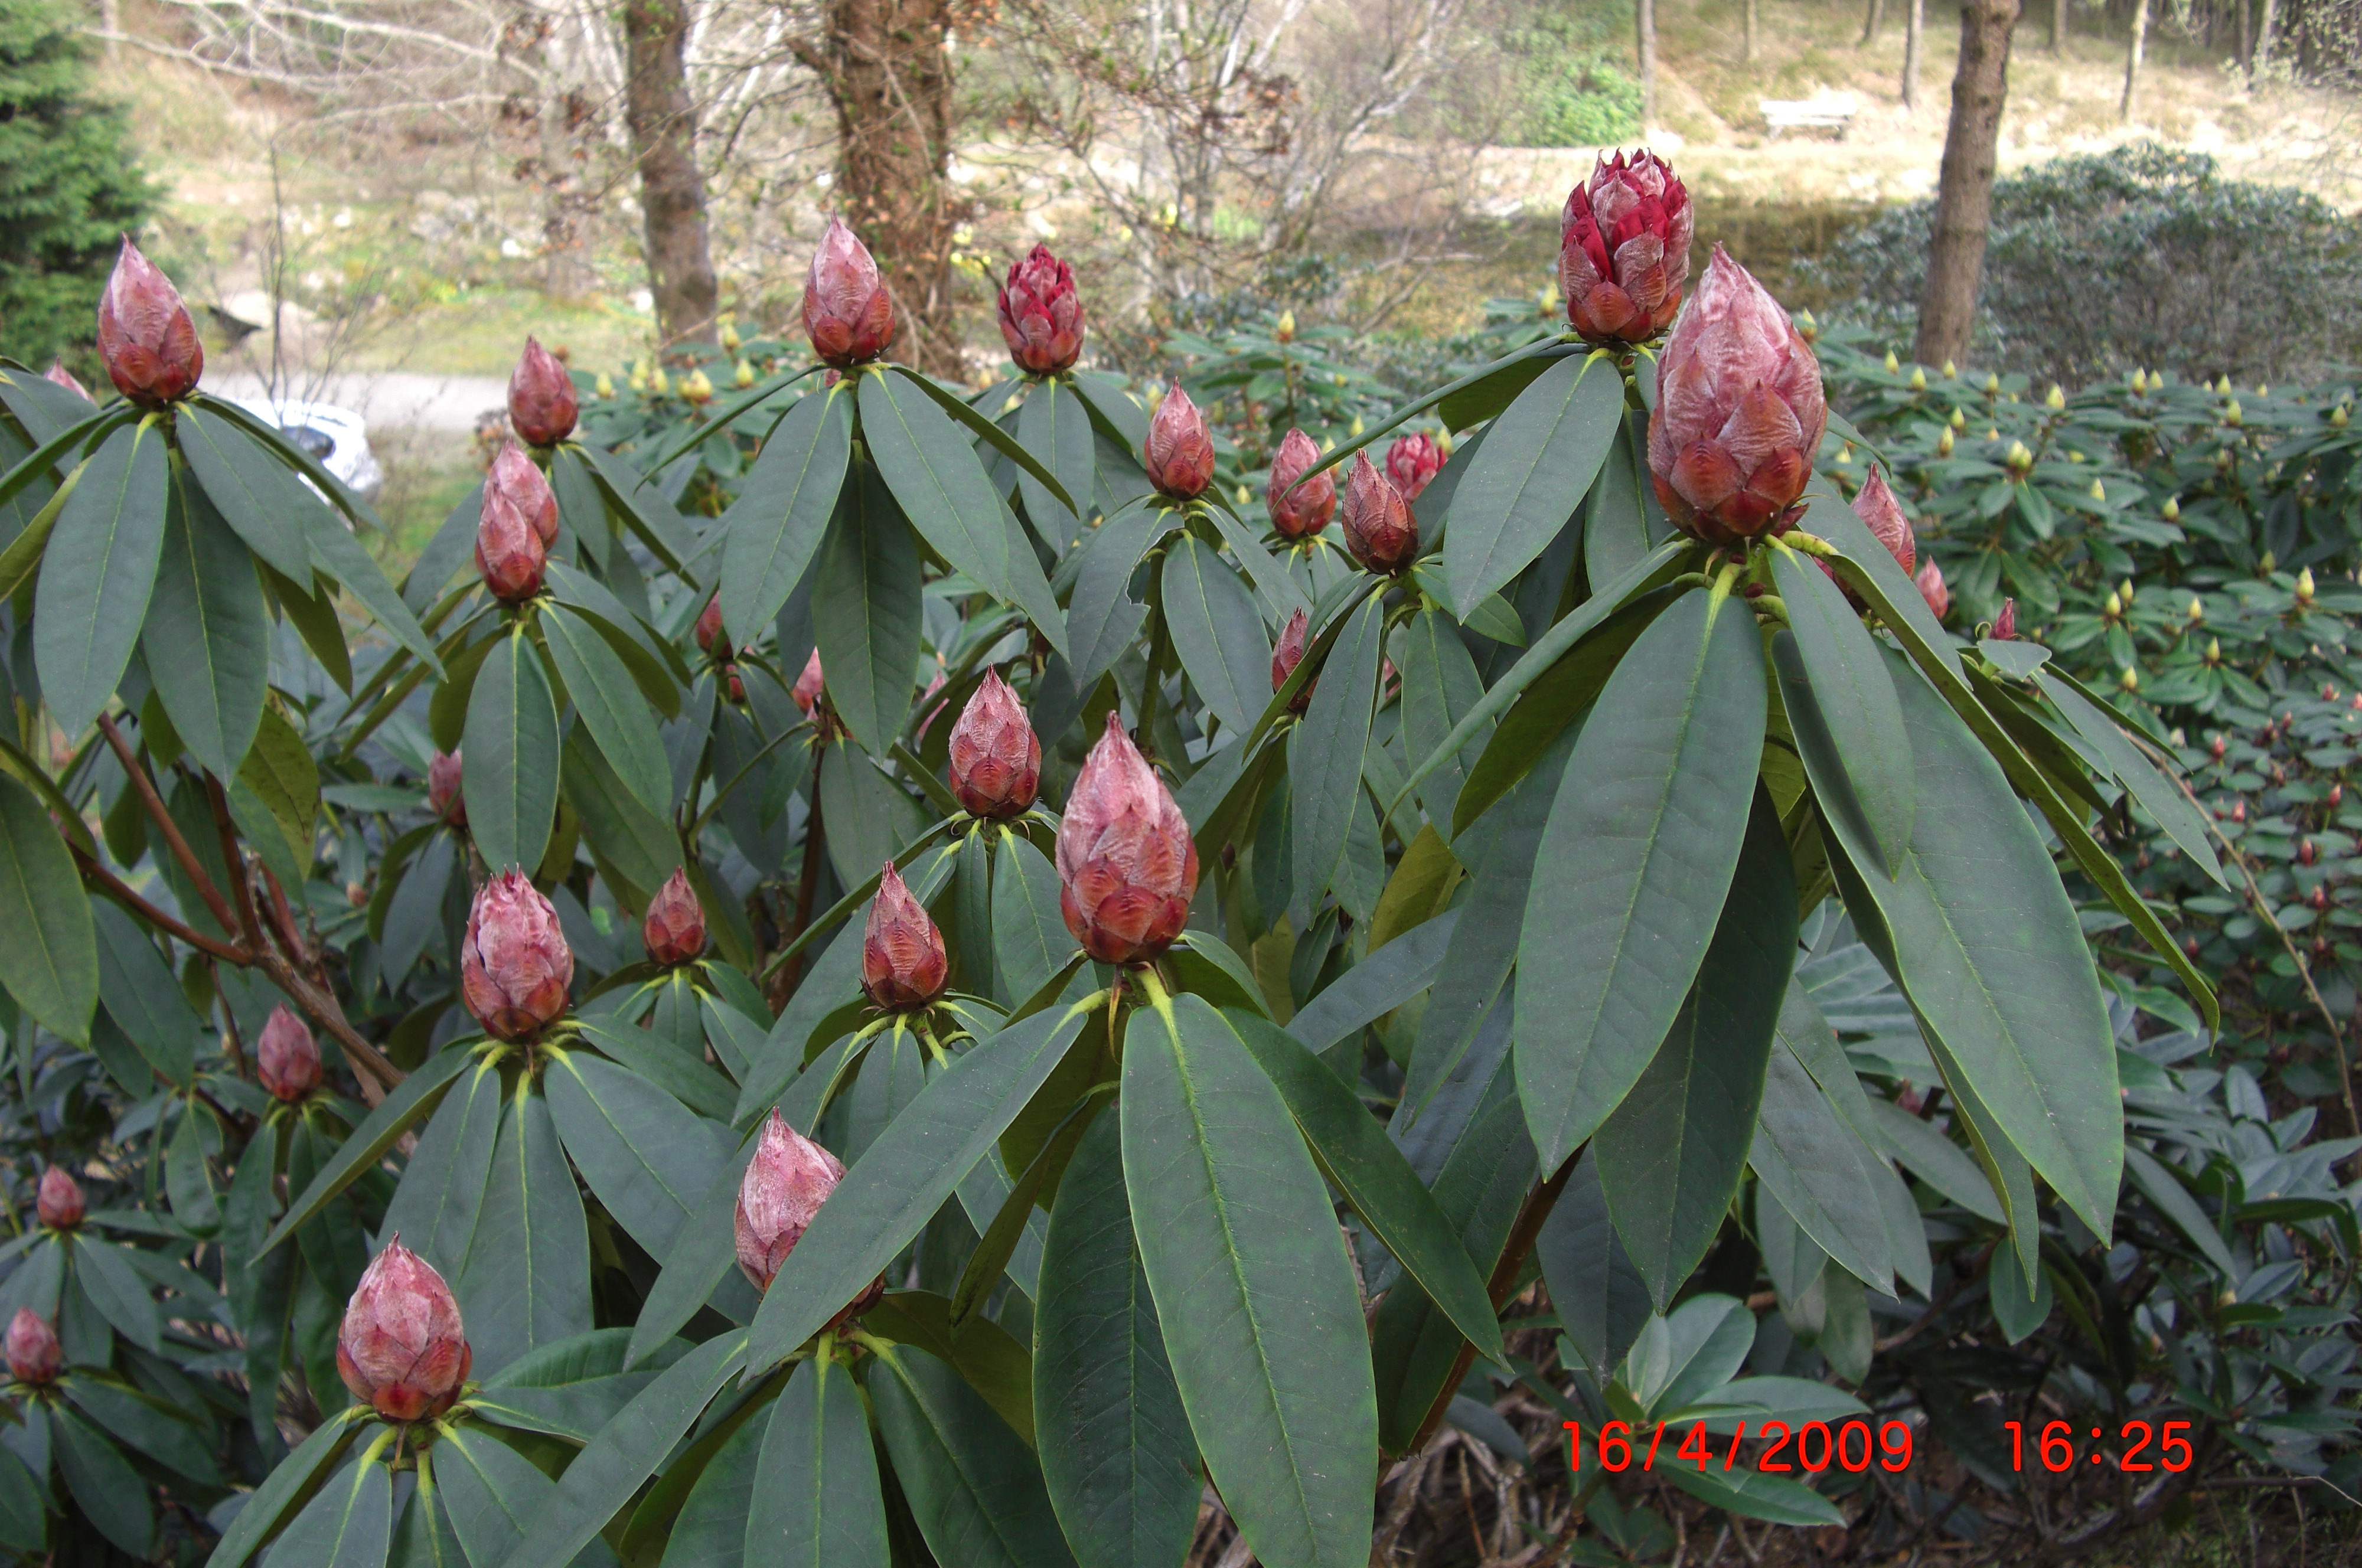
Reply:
x=387, y=399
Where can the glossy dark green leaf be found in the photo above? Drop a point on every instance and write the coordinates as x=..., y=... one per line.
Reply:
x=24, y=1524
x=415, y=1096
x=963, y=413
x=1934, y=1159
x=1439, y=685
x=1217, y=632
x=1324, y=757
x=1377, y=985
x=2157, y=795
x=1252, y=1287
x=783, y=507
x=1855, y=698
x=1539, y=458
x=816, y=1501
x=335, y=552
x=712, y=1525
x=162, y=1433
x=1103, y=618
x=1620, y=522
x=488, y=1490
x=647, y=1159
x=186, y=1181
x=527, y=1282
x=98, y=574
x=1054, y=425
x=110, y=1493
x=866, y=605
x=699, y=1261
x=115, y=1287
x=259, y=495
x=510, y=752
x=1602, y=1300
x=976, y=1493
x=143, y=994
x=581, y=508
x=1632, y=870
x=268, y=1503
x=983, y=1352
x=572, y=1388
x=1816, y=1169
x=442, y=1189
x=1756, y=1496
x=207, y=635
x=639, y=845
x=610, y=705
x=49, y=952
x=905, y=1177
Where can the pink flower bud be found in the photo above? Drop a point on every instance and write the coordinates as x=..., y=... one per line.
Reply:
x=1305, y=511
x=1930, y=579
x=786, y=1182
x=515, y=965
x=144, y=334
x=2005, y=627
x=521, y=483
x=902, y=960
x=708, y=631
x=1624, y=252
x=1179, y=453
x=401, y=1348
x=58, y=1202
x=34, y=1353
x=1876, y=505
x=996, y=758
x=542, y=404
x=1379, y=531
x=286, y=1058
x=1286, y=656
x=59, y=375
x=1041, y=313
x=848, y=315
x=444, y=797
x=1127, y=866
x=674, y=927
x=810, y=687
x=1412, y=462
x=518, y=520
x=1740, y=413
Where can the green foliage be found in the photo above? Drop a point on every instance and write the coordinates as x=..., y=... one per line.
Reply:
x=1571, y=85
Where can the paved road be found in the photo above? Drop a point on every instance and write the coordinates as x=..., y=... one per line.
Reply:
x=389, y=399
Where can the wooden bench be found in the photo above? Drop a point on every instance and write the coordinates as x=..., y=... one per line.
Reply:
x=1833, y=111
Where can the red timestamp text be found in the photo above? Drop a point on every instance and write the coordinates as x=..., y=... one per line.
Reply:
x=2058, y=1453
x=1813, y=1447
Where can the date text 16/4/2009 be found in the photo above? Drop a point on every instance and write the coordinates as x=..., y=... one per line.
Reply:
x=1816, y=1446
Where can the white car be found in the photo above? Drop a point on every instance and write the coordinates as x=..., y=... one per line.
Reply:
x=333, y=436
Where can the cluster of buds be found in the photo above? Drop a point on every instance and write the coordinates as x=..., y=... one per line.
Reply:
x=848, y=314
x=444, y=796
x=1041, y=313
x=34, y=1354
x=516, y=528
x=1624, y=249
x=903, y=967
x=995, y=758
x=57, y=1202
x=286, y=1058
x=1380, y=532
x=542, y=404
x=1299, y=511
x=674, y=928
x=1740, y=410
x=786, y=1182
x=145, y=334
x=1412, y=463
x=1179, y=451
x=1286, y=655
x=401, y=1348
x=1127, y=866
x=514, y=966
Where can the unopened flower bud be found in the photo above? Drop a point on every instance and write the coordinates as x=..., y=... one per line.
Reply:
x=1127, y=866
x=2005, y=627
x=697, y=388
x=1918, y=378
x=902, y=960
x=659, y=382
x=2233, y=414
x=1930, y=579
x=1041, y=313
x=515, y=965
x=743, y=377
x=286, y=1058
x=848, y=315
x=58, y=1202
x=2197, y=609
x=1180, y=452
x=786, y=1182
x=2338, y=417
x=604, y=387
x=1892, y=364
x=1380, y=532
x=1285, y=327
x=1992, y=383
x=515, y=527
x=1944, y=442
x=444, y=796
x=995, y=758
x=708, y=634
x=1624, y=249
x=674, y=928
x=2112, y=606
x=1286, y=656
x=1951, y=371
x=1300, y=512
x=1412, y=463
x=2304, y=586
x=2099, y=492
x=2213, y=650
x=810, y=687
x=2129, y=679
x=34, y=1353
x=542, y=406
x=1876, y=507
x=145, y=335
x=401, y=1348
x=58, y=375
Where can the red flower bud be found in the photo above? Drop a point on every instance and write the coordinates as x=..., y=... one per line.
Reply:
x=808, y=688
x=1127, y=866
x=996, y=758
x=2005, y=627
x=1412, y=462
x=902, y=960
x=444, y=797
x=848, y=315
x=286, y=1058
x=58, y=1202
x=674, y=927
x=1379, y=531
x=1286, y=656
x=1624, y=250
x=1876, y=505
x=401, y=1348
x=1305, y=511
x=737, y=687
x=2337, y=794
x=2307, y=852
x=542, y=404
x=514, y=528
x=515, y=965
x=58, y=374
x=34, y=1353
x=1179, y=453
x=1041, y=313
x=708, y=631
x=1930, y=579
x=1740, y=413
x=144, y=334
x=521, y=483
x=786, y=1182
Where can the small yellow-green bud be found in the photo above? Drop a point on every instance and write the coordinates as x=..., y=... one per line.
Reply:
x=1918, y=378
x=2057, y=398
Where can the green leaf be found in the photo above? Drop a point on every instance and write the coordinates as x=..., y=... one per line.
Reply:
x=48, y=953
x=1439, y=685
x=488, y=1489
x=581, y=508
x=116, y=1288
x=2158, y=1185
x=642, y=507
x=1376, y=986
x=2020, y=1305
x=207, y=635
x=976, y=1493
x=980, y=1349
x=1855, y=700
x=783, y=507
x=288, y=1480
x=1054, y=425
x=1324, y=757
x=1000, y=440
x=266, y=503
x=1634, y=864
x=510, y=749
x=639, y=845
x=335, y=552
x=816, y=1500
x=699, y=1262
x=610, y=705
x=648, y=1160
x=415, y=1096
x=95, y=582
x=905, y=1175
x=1817, y=1171
x=1621, y=523
x=1355, y=1154
x=24, y=1524
x=1756, y=1496
x=280, y=771
x=866, y=611
x=110, y=1493
x=1216, y=632
x=660, y=671
x=1539, y=458
x=943, y=489
x=1103, y=618
x=1117, y=1454
x=1671, y=1154
x=1601, y=1299
x=712, y=1525
x=1252, y=1287
x=527, y=1282
x=442, y=1189
x=2157, y=795
x=186, y=1182
x=1939, y=1162
x=163, y=1432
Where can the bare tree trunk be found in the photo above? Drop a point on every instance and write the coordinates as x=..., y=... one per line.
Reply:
x=110, y=22
x=888, y=72
x=1914, y=40
x=663, y=121
x=1644, y=19
x=1750, y=50
x=567, y=212
x=1871, y=22
x=2262, y=55
x=2058, y=24
x=2242, y=47
x=2133, y=57
x=1956, y=251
